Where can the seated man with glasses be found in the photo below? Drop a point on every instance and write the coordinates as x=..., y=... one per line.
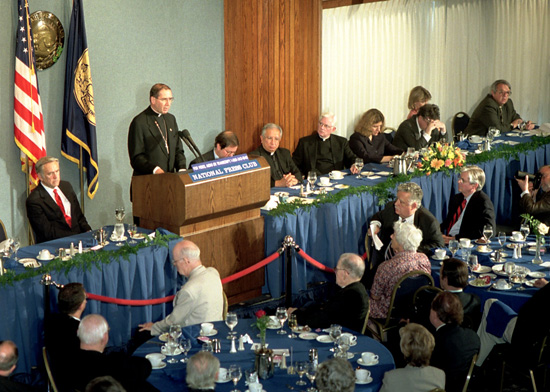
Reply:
x=324, y=152
x=421, y=130
x=226, y=145
x=496, y=110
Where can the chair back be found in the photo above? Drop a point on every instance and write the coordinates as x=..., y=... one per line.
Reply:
x=422, y=303
x=470, y=371
x=3, y=234
x=364, y=329
x=404, y=290
x=225, y=305
x=51, y=382
x=460, y=122
x=389, y=133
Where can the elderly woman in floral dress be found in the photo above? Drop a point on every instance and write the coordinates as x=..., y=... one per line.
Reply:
x=405, y=241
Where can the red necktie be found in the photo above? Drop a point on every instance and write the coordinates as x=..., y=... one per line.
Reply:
x=456, y=215
x=60, y=204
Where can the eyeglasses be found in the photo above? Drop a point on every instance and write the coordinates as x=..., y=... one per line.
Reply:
x=460, y=179
x=229, y=153
x=502, y=92
x=164, y=100
x=325, y=126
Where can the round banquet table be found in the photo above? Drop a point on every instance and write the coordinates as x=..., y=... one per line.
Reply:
x=172, y=376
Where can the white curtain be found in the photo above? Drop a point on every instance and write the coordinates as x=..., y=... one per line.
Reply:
x=373, y=54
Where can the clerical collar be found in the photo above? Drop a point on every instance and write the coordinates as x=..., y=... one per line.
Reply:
x=157, y=113
x=324, y=138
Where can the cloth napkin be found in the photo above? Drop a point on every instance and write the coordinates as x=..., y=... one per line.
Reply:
x=465, y=145
x=377, y=242
x=498, y=318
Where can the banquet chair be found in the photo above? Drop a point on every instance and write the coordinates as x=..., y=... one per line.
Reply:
x=459, y=123
x=364, y=329
x=400, y=303
x=470, y=371
x=3, y=234
x=389, y=132
x=225, y=305
x=422, y=303
x=51, y=382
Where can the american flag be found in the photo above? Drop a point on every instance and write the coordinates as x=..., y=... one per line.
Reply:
x=28, y=119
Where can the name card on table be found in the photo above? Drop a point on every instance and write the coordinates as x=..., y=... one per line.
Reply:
x=221, y=167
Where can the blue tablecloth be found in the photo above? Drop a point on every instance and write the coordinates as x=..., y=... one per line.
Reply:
x=172, y=376
x=328, y=230
x=147, y=275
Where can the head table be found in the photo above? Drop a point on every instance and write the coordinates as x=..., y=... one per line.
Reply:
x=172, y=376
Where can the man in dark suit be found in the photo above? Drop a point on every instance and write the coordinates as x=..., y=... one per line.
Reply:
x=8, y=362
x=496, y=110
x=153, y=142
x=91, y=361
x=421, y=130
x=225, y=145
x=407, y=207
x=534, y=203
x=284, y=172
x=52, y=208
x=471, y=209
x=350, y=304
x=324, y=152
x=455, y=346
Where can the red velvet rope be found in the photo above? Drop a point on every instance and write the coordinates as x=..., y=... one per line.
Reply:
x=252, y=268
x=314, y=262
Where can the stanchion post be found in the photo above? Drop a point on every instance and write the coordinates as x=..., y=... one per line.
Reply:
x=288, y=246
x=47, y=281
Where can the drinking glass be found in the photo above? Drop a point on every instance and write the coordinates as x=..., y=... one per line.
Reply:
x=466, y=252
x=311, y=372
x=488, y=233
x=521, y=273
x=343, y=346
x=359, y=166
x=15, y=245
x=453, y=247
x=473, y=264
x=119, y=214
x=185, y=345
x=235, y=373
x=173, y=338
x=231, y=320
x=335, y=332
x=524, y=230
x=501, y=238
x=119, y=233
x=132, y=229
x=292, y=324
x=301, y=368
x=312, y=178
x=281, y=315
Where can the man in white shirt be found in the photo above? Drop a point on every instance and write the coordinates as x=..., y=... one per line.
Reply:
x=421, y=130
x=52, y=208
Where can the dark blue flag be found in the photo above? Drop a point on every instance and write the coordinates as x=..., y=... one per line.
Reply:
x=78, y=105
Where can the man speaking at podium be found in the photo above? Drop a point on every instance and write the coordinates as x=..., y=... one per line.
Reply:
x=153, y=143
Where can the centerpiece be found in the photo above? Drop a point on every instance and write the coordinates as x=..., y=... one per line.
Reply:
x=539, y=229
x=263, y=362
x=441, y=157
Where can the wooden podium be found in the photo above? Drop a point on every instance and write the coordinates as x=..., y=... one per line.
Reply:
x=221, y=215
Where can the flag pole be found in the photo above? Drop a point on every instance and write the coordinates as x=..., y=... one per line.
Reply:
x=81, y=171
x=30, y=234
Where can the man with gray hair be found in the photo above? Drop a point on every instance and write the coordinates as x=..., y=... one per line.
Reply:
x=324, y=152
x=470, y=209
x=8, y=362
x=349, y=305
x=406, y=208
x=91, y=361
x=200, y=299
x=202, y=370
x=284, y=172
x=335, y=374
x=496, y=110
x=52, y=208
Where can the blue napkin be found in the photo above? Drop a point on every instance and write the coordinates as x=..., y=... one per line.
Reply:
x=498, y=318
x=465, y=145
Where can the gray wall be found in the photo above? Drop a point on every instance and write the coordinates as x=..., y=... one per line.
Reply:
x=133, y=44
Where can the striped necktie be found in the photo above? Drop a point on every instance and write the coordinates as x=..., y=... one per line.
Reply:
x=456, y=215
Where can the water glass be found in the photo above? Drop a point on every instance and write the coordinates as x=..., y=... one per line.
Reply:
x=231, y=320
x=453, y=246
x=281, y=315
x=359, y=165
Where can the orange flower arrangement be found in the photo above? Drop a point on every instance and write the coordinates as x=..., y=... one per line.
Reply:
x=441, y=157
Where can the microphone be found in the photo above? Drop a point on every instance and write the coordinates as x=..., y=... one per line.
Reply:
x=182, y=137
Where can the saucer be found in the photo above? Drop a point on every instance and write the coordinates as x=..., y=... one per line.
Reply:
x=360, y=362
x=507, y=287
x=46, y=258
x=214, y=332
x=117, y=239
x=177, y=351
x=439, y=259
x=537, y=274
x=530, y=283
x=163, y=337
x=324, y=339
x=138, y=236
x=161, y=366
x=327, y=184
x=308, y=335
x=515, y=240
x=341, y=186
x=482, y=269
x=467, y=247
x=227, y=378
x=367, y=381
x=29, y=263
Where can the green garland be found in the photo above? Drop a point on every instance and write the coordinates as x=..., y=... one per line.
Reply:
x=384, y=191
x=85, y=261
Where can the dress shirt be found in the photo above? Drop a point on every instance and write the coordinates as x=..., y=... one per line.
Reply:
x=64, y=200
x=422, y=133
x=456, y=227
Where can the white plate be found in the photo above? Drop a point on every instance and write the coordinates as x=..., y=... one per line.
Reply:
x=46, y=259
x=30, y=263
x=227, y=378
x=324, y=185
x=308, y=335
x=214, y=332
x=486, y=251
x=508, y=287
x=163, y=337
x=360, y=362
x=341, y=186
x=383, y=173
x=467, y=247
x=537, y=274
x=514, y=240
x=499, y=270
x=502, y=254
x=324, y=339
x=492, y=276
x=367, y=173
x=482, y=286
x=482, y=269
x=438, y=259
x=161, y=366
x=530, y=283
x=478, y=242
x=367, y=381
x=117, y=239
x=138, y=236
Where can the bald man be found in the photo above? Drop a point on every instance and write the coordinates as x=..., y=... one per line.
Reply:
x=200, y=299
x=8, y=362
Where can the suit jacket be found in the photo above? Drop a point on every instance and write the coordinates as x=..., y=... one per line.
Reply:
x=60, y=339
x=407, y=135
x=305, y=155
x=372, y=150
x=146, y=145
x=486, y=115
x=478, y=213
x=199, y=300
x=539, y=209
x=46, y=218
x=347, y=308
x=286, y=163
x=208, y=156
x=471, y=304
x=413, y=379
x=8, y=385
x=455, y=347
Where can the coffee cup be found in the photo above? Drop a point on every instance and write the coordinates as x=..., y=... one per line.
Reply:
x=222, y=374
x=517, y=236
x=170, y=348
x=501, y=284
x=207, y=328
x=362, y=375
x=440, y=253
x=482, y=248
x=369, y=357
x=44, y=254
x=155, y=359
x=465, y=242
x=324, y=181
x=352, y=339
x=255, y=387
x=475, y=139
x=336, y=175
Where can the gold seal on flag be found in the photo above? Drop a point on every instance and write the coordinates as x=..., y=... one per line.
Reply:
x=48, y=38
x=83, y=90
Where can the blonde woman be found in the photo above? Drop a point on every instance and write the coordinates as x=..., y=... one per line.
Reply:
x=418, y=97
